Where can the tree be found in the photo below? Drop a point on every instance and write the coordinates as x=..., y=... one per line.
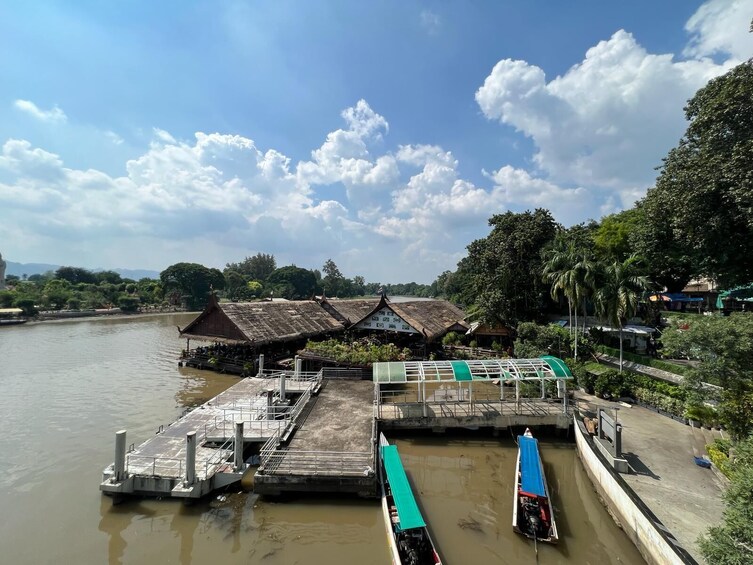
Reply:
x=57, y=292
x=504, y=269
x=333, y=280
x=699, y=216
x=193, y=281
x=724, y=346
x=258, y=267
x=292, y=282
x=618, y=293
x=75, y=275
x=731, y=543
x=612, y=239
x=109, y=277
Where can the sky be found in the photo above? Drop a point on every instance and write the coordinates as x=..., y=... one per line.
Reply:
x=383, y=135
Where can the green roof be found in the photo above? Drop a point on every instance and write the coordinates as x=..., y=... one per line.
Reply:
x=471, y=370
x=558, y=366
x=461, y=370
x=409, y=516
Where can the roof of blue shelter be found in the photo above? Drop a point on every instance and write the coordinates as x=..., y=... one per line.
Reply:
x=532, y=476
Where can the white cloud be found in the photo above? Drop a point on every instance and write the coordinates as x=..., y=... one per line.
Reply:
x=608, y=121
x=721, y=27
x=55, y=115
x=163, y=136
x=431, y=22
x=114, y=137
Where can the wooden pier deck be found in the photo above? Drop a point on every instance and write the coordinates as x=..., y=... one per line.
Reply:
x=158, y=467
x=332, y=449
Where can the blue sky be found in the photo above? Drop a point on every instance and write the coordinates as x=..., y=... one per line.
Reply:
x=380, y=134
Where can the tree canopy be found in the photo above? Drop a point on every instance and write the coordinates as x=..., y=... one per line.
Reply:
x=699, y=216
x=293, y=283
x=504, y=268
x=192, y=281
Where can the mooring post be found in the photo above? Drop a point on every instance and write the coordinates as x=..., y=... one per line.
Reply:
x=298, y=364
x=282, y=387
x=190, y=458
x=261, y=364
x=270, y=404
x=238, y=446
x=120, y=454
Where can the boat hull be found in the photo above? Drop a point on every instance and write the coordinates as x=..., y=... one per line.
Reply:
x=533, y=515
x=415, y=541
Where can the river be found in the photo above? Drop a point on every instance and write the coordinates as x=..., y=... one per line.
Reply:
x=68, y=386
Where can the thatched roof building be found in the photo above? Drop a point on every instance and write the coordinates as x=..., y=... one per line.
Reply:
x=261, y=322
x=273, y=322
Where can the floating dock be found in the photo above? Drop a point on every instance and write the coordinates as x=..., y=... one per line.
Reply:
x=203, y=450
x=318, y=434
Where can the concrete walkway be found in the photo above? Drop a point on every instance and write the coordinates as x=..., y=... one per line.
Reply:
x=646, y=370
x=685, y=497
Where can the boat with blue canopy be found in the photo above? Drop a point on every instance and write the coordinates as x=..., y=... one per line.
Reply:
x=533, y=515
x=409, y=539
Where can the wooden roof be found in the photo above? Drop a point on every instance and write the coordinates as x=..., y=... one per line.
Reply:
x=267, y=322
x=262, y=322
x=433, y=318
x=350, y=311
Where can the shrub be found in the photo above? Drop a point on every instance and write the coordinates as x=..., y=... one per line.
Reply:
x=720, y=459
x=451, y=338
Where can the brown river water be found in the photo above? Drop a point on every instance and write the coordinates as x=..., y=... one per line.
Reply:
x=68, y=386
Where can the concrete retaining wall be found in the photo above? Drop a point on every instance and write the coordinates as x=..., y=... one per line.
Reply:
x=655, y=543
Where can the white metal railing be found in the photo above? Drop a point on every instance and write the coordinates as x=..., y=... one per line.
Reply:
x=154, y=466
x=460, y=402
x=255, y=413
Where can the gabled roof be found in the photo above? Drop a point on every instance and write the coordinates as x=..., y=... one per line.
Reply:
x=350, y=311
x=262, y=322
x=432, y=318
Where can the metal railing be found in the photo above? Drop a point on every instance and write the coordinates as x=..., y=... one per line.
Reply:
x=337, y=463
x=154, y=466
x=460, y=402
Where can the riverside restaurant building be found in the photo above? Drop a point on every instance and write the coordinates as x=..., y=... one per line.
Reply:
x=240, y=331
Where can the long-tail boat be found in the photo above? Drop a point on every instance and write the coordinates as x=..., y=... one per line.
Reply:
x=532, y=513
x=408, y=536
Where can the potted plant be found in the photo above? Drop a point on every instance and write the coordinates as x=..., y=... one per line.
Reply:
x=694, y=413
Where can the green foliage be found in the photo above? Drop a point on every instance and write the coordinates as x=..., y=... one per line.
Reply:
x=720, y=458
x=451, y=338
x=731, y=543
x=612, y=238
x=192, y=281
x=361, y=352
x=724, y=346
x=6, y=298
x=27, y=305
x=293, y=283
x=668, y=366
x=75, y=275
x=258, y=267
x=504, y=269
x=128, y=303
x=698, y=216
x=534, y=340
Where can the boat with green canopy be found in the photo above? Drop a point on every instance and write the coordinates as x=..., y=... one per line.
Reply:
x=409, y=539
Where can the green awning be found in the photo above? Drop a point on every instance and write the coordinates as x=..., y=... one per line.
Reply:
x=558, y=366
x=408, y=514
x=391, y=372
x=461, y=370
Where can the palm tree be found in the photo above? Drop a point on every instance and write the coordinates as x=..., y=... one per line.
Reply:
x=572, y=272
x=620, y=292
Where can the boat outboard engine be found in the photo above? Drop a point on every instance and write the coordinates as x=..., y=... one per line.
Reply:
x=534, y=522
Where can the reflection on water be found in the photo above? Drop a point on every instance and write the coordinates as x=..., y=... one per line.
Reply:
x=68, y=386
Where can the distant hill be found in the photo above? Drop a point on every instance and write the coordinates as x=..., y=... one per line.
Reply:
x=19, y=269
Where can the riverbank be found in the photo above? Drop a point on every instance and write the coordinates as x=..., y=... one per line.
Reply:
x=119, y=316
x=686, y=498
